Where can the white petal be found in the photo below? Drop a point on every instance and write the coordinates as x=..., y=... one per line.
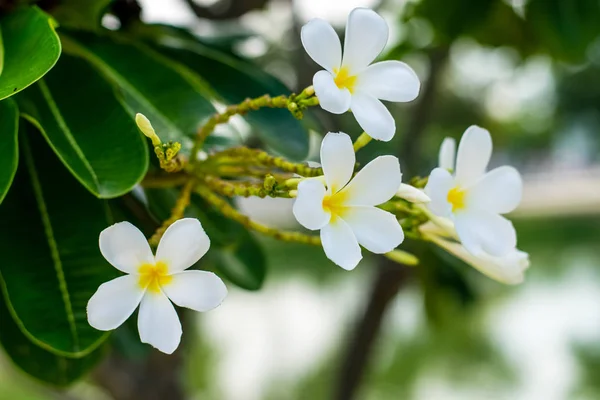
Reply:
x=308, y=207
x=183, y=244
x=114, y=302
x=340, y=244
x=376, y=230
x=447, y=154
x=376, y=183
x=158, y=323
x=373, y=117
x=508, y=269
x=366, y=36
x=438, y=185
x=486, y=232
x=338, y=159
x=412, y=194
x=322, y=44
x=331, y=98
x=389, y=81
x=499, y=191
x=474, y=152
x=125, y=247
x=197, y=290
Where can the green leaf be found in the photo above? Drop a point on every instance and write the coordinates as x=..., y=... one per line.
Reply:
x=234, y=80
x=1, y=52
x=88, y=127
x=565, y=29
x=234, y=254
x=176, y=103
x=242, y=262
x=51, y=263
x=80, y=14
x=37, y=362
x=453, y=19
x=9, y=152
x=31, y=48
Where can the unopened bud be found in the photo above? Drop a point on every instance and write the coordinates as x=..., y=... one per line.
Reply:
x=402, y=257
x=412, y=194
x=146, y=127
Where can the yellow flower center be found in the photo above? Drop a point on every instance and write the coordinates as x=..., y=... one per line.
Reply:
x=153, y=276
x=343, y=79
x=334, y=204
x=456, y=197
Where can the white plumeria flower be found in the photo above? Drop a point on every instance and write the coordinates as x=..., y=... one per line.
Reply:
x=153, y=282
x=350, y=83
x=412, y=194
x=475, y=199
x=345, y=210
x=509, y=269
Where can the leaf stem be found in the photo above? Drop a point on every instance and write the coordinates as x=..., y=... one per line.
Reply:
x=177, y=213
x=228, y=211
x=362, y=141
x=294, y=103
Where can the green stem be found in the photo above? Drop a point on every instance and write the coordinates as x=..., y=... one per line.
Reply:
x=228, y=211
x=362, y=141
x=295, y=104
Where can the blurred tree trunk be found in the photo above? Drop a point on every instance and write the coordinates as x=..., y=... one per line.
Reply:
x=390, y=277
x=158, y=377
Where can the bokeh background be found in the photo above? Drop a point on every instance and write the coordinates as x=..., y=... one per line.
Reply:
x=528, y=71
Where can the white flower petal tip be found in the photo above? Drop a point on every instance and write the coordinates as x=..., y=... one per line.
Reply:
x=473, y=198
x=183, y=244
x=154, y=282
x=350, y=81
x=508, y=269
x=412, y=194
x=343, y=208
x=447, y=154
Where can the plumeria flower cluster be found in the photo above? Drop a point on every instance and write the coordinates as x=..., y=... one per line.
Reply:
x=467, y=203
x=462, y=202
x=154, y=282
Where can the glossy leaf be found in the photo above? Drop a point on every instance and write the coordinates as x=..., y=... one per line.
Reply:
x=88, y=127
x=176, y=103
x=37, y=362
x=9, y=152
x=31, y=48
x=234, y=253
x=51, y=263
x=235, y=80
x=1, y=52
x=242, y=262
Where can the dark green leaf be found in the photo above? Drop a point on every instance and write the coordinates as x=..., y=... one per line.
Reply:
x=236, y=254
x=88, y=127
x=242, y=262
x=235, y=80
x=37, y=362
x=80, y=14
x=51, y=263
x=31, y=48
x=9, y=152
x=565, y=28
x=453, y=19
x=1, y=52
x=176, y=102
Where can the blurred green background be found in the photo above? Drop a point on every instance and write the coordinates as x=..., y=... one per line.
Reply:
x=527, y=70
